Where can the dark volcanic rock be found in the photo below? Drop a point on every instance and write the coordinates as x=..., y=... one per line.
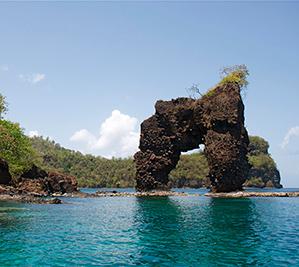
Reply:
x=33, y=186
x=39, y=182
x=61, y=183
x=34, y=173
x=5, y=177
x=215, y=120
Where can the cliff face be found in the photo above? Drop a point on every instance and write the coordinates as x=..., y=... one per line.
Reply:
x=216, y=120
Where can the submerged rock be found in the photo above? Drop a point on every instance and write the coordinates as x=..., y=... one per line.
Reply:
x=216, y=120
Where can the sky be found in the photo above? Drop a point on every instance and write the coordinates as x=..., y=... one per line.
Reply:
x=86, y=74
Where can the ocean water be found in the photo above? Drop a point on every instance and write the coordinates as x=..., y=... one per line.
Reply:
x=155, y=231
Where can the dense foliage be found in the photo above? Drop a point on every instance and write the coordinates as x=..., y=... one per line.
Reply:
x=257, y=146
x=15, y=147
x=191, y=171
x=90, y=171
x=264, y=170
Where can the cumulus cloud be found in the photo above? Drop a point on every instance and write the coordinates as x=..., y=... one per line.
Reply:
x=33, y=78
x=84, y=137
x=293, y=132
x=118, y=137
x=33, y=133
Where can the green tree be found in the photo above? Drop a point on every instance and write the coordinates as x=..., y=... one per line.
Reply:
x=15, y=147
x=262, y=162
x=237, y=74
x=257, y=146
x=3, y=106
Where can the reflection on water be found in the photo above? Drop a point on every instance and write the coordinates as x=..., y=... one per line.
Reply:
x=161, y=231
x=176, y=231
x=157, y=222
x=230, y=231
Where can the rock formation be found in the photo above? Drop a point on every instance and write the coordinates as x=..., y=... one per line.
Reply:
x=5, y=177
x=40, y=182
x=61, y=183
x=216, y=120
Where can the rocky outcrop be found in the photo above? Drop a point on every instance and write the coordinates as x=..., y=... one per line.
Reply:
x=38, y=181
x=5, y=177
x=261, y=178
x=61, y=183
x=216, y=120
x=268, y=177
x=34, y=173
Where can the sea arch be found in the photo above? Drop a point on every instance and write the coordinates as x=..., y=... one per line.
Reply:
x=179, y=125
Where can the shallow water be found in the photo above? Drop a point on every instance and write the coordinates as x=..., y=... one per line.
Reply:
x=155, y=231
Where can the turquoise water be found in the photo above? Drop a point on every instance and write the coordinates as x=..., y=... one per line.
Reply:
x=165, y=231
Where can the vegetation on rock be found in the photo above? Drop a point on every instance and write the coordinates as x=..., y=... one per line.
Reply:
x=235, y=74
x=264, y=170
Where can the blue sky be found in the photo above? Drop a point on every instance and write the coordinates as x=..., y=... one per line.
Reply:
x=87, y=73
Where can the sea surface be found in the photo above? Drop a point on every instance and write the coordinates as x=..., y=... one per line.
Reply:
x=151, y=231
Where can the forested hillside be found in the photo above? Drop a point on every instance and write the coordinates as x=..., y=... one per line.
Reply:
x=191, y=170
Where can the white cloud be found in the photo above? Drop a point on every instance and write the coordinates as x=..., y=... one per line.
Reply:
x=118, y=137
x=294, y=131
x=4, y=68
x=84, y=137
x=33, y=133
x=33, y=78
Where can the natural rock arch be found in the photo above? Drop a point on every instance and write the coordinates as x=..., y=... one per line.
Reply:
x=216, y=120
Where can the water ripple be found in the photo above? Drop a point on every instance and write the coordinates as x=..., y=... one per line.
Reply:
x=170, y=231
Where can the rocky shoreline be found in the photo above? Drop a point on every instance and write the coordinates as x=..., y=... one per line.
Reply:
x=113, y=193
x=55, y=198
x=239, y=194
x=35, y=185
x=30, y=199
